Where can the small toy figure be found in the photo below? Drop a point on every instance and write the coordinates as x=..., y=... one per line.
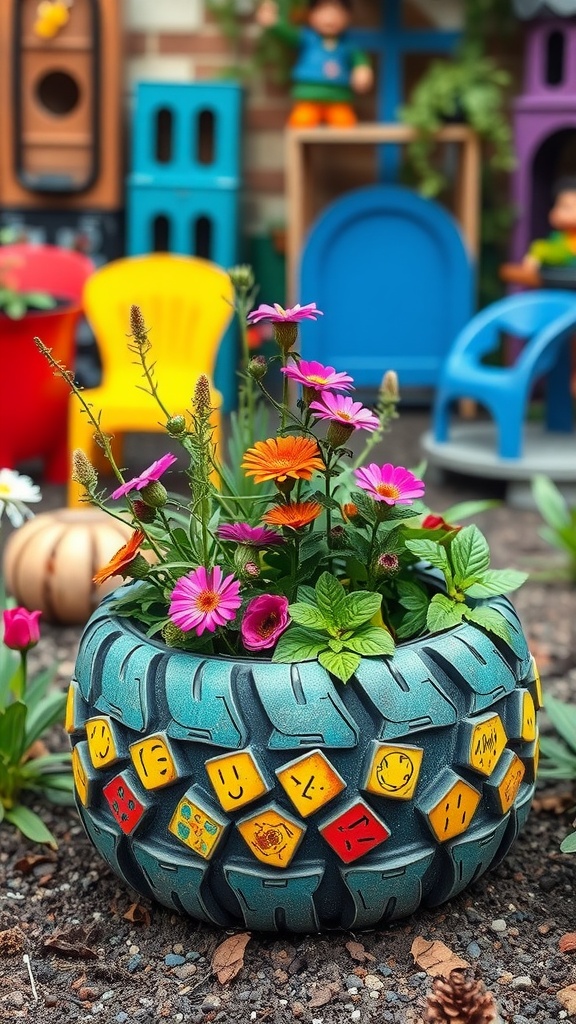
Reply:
x=559, y=249
x=51, y=17
x=329, y=67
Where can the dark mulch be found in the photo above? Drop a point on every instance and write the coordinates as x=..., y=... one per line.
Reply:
x=96, y=956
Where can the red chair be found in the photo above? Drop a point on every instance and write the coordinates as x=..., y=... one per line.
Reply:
x=33, y=402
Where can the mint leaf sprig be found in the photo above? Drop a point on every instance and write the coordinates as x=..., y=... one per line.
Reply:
x=334, y=627
x=465, y=565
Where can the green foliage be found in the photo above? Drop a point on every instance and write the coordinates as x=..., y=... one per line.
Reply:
x=560, y=520
x=334, y=627
x=558, y=761
x=465, y=567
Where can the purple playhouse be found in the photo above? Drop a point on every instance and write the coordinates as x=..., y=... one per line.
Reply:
x=544, y=115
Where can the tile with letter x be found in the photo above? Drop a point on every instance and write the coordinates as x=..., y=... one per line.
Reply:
x=354, y=832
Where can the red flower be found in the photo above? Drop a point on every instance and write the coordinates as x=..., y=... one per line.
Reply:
x=432, y=522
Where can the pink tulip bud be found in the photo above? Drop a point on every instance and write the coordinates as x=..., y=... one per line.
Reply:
x=21, y=628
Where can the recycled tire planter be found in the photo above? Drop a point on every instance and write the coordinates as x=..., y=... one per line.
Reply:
x=271, y=797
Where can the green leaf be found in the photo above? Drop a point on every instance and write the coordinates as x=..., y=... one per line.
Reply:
x=331, y=599
x=412, y=623
x=365, y=505
x=412, y=596
x=298, y=644
x=495, y=582
x=467, y=509
x=37, y=687
x=336, y=645
x=360, y=607
x=307, y=594
x=443, y=613
x=370, y=641
x=563, y=718
x=13, y=732
x=342, y=665
x=30, y=825
x=550, y=502
x=308, y=615
x=469, y=554
x=50, y=711
x=324, y=500
x=432, y=552
x=489, y=619
x=568, y=845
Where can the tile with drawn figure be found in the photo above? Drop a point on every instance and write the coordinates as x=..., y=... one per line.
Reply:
x=310, y=781
x=103, y=741
x=449, y=805
x=352, y=833
x=126, y=807
x=272, y=834
x=236, y=779
x=199, y=827
x=154, y=761
x=393, y=770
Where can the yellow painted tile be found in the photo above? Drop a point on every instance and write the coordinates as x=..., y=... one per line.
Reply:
x=310, y=781
x=80, y=774
x=537, y=685
x=453, y=813
x=236, y=779
x=197, y=828
x=487, y=741
x=394, y=771
x=153, y=761
x=272, y=835
x=508, y=788
x=101, y=742
x=528, y=729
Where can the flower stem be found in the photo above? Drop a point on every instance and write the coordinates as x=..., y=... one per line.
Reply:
x=19, y=681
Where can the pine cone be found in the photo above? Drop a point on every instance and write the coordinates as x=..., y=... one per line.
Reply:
x=459, y=1001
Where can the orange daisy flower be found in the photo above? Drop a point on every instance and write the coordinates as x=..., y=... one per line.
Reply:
x=295, y=516
x=282, y=457
x=126, y=554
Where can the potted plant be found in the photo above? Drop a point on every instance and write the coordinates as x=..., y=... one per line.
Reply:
x=40, y=289
x=317, y=708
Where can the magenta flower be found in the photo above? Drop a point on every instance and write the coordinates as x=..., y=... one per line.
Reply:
x=154, y=472
x=255, y=536
x=204, y=600
x=276, y=314
x=314, y=375
x=393, y=484
x=21, y=628
x=265, y=618
x=341, y=409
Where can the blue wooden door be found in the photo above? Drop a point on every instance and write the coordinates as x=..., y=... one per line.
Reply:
x=394, y=279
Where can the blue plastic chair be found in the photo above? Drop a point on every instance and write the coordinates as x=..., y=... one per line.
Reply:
x=543, y=321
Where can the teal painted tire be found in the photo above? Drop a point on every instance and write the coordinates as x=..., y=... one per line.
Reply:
x=271, y=797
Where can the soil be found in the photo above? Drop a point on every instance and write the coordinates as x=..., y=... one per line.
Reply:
x=97, y=951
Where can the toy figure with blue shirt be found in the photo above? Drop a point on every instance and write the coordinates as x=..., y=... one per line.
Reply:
x=329, y=67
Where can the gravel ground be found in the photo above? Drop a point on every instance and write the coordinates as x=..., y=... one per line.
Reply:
x=99, y=952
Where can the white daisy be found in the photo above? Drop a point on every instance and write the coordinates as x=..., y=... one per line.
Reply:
x=16, y=491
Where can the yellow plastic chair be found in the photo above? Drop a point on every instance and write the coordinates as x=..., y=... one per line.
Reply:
x=186, y=304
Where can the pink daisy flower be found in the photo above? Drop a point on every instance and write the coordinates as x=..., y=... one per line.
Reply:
x=276, y=314
x=204, y=599
x=314, y=375
x=153, y=473
x=341, y=409
x=393, y=484
x=255, y=536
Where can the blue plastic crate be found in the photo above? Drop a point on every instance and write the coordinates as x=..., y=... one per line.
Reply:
x=187, y=134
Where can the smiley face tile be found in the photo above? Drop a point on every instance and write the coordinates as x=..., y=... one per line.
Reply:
x=310, y=781
x=482, y=741
x=197, y=826
x=154, y=761
x=521, y=716
x=272, y=835
x=502, y=787
x=355, y=831
x=103, y=742
x=449, y=805
x=125, y=805
x=236, y=779
x=393, y=770
x=82, y=773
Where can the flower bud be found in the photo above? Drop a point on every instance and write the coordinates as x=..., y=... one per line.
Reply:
x=258, y=367
x=154, y=494
x=338, y=434
x=338, y=537
x=176, y=426
x=351, y=513
x=286, y=334
x=389, y=390
x=143, y=512
x=242, y=277
x=172, y=635
x=137, y=323
x=386, y=564
x=21, y=629
x=201, y=400
x=245, y=555
x=137, y=569
x=83, y=471
x=285, y=486
x=251, y=571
